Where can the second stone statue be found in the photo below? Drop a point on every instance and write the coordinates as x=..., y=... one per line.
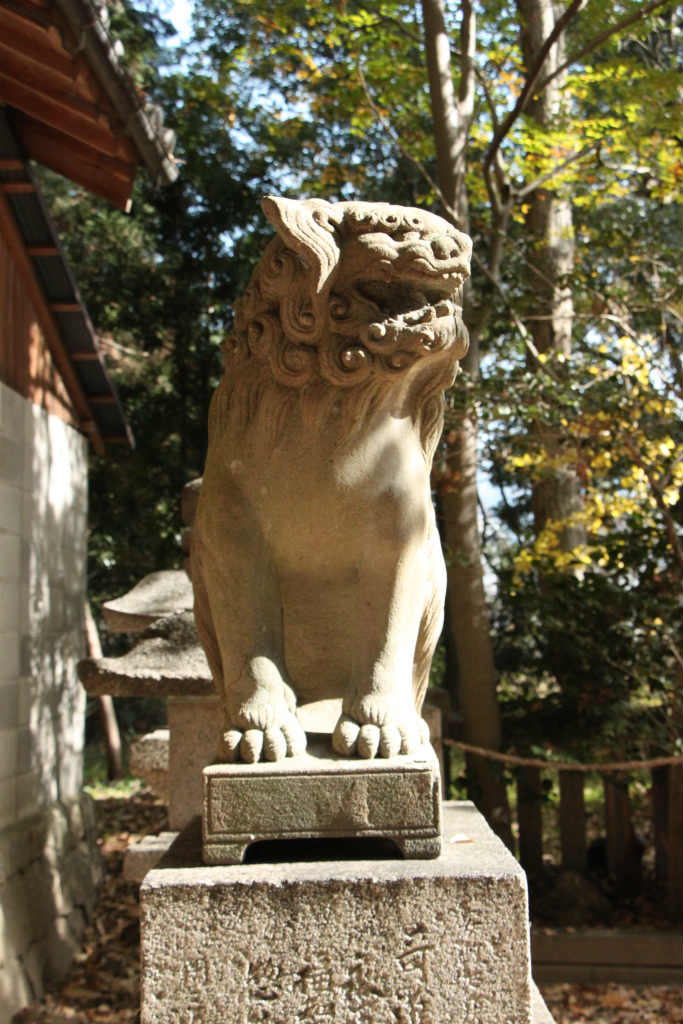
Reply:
x=316, y=560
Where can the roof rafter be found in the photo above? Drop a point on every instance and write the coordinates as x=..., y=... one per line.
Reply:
x=78, y=110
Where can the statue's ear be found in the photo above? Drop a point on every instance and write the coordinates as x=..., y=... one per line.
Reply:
x=304, y=225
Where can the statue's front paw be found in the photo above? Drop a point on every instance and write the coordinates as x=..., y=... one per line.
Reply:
x=286, y=738
x=402, y=735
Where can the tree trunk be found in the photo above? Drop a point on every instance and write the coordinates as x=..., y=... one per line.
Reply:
x=550, y=308
x=467, y=613
x=469, y=628
x=110, y=725
x=549, y=219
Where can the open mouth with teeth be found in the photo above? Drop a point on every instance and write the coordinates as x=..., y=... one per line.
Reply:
x=430, y=327
x=399, y=340
x=412, y=321
x=399, y=315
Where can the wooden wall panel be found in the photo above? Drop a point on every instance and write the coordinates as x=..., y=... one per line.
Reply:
x=26, y=364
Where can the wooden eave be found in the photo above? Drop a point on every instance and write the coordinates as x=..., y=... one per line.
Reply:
x=67, y=101
x=63, y=318
x=75, y=108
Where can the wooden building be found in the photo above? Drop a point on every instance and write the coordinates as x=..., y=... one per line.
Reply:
x=67, y=102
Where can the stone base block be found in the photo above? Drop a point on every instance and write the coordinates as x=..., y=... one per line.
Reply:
x=319, y=795
x=441, y=941
x=196, y=727
x=145, y=854
x=50, y=869
x=149, y=761
x=540, y=1014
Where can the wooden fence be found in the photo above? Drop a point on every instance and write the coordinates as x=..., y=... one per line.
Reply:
x=623, y=848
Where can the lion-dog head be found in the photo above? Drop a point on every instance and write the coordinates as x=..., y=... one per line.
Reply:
x=356, y=296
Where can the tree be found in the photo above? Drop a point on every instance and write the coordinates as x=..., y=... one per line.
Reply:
x=160, y=302
x=549, y=225
x=468, y=618
x=604, y=645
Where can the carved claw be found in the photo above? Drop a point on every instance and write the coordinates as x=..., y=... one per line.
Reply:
x=367, y=743
x=251, y=746
x=414, y=734
x=345, y=736
x=230, y=745
x=274, y=743
x=390, y=741
x=370, y=740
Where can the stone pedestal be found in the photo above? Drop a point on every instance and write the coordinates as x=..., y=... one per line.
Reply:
x=196, y=726
x=441, y=941
x=319, y=795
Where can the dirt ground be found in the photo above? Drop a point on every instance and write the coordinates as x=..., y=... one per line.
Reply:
x=103, y=985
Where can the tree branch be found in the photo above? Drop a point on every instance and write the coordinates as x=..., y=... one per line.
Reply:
x=451, y=116
x=468, y=49
x=520, y=193
x=481, y=78
x=519, y=326
x=530, y=84
x=602, y=36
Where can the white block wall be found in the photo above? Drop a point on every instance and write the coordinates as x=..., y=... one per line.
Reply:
x=43, y=530
x=43, y=835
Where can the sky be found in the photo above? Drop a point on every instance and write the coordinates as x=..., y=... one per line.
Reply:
x=180, y=12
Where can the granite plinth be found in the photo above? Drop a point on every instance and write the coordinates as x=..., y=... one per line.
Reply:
x=319, y=795
x=143, y=855
x=441, y=941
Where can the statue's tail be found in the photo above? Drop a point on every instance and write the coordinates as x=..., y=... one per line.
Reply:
x=431, y=623
x=202, y=616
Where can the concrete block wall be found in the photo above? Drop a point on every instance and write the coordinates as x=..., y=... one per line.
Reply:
x=43, y=531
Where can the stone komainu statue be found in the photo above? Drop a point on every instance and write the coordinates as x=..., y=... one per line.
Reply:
x=315, y=555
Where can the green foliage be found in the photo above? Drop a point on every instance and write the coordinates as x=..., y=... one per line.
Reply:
x=158, y=285
x=95, y=776
x=596, y=623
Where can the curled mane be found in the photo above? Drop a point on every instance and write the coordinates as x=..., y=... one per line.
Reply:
x=334, y=313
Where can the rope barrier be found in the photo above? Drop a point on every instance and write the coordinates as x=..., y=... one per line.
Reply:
x=564, y=766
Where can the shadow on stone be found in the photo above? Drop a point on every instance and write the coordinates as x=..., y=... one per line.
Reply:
x=285, y=851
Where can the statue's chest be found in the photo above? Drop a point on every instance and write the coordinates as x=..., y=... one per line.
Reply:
x=352, y=496
x=386, y=459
